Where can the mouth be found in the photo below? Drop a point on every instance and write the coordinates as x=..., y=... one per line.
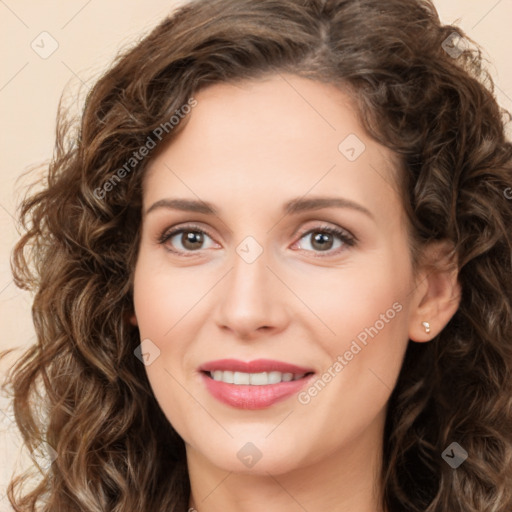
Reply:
x=253, y=385
x=254, y=379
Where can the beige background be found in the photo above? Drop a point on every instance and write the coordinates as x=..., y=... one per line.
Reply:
x=88, y=34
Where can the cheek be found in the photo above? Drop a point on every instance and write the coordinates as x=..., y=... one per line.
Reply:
x=175, y=400
x=162, y=296
x=160, y=302
x=351, y=300
x=364, y=327
x=165, y=305
x=362, y=356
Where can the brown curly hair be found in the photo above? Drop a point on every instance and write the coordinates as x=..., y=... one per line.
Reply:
x=415, y=95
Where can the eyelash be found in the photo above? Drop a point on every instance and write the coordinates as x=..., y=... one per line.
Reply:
x=347, y=239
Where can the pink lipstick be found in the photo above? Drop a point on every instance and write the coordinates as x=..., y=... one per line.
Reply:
x=253, y=385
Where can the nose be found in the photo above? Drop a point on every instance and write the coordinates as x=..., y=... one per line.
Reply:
x=252, y=300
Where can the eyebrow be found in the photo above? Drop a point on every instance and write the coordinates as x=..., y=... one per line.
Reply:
x=291, y=207
x=185, y=205
x=317, y=203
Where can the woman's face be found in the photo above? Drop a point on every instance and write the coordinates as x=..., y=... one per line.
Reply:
x=273, y=275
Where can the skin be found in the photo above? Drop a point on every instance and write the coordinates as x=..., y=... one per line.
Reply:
x=248, y=148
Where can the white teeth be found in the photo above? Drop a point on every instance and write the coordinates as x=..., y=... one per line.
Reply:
x=258, y=379
x=274, y=377
x=227, y=376
x=255, y=379
x=241, y=378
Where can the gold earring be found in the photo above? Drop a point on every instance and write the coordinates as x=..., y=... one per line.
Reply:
x=427, y=326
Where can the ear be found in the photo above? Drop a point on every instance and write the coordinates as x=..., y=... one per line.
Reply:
x=437, y=293
x=132, y=319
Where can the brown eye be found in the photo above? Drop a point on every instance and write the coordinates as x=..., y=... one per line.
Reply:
x=185, y=240
x=326, y=239
x=191, y=240
x=322, y=241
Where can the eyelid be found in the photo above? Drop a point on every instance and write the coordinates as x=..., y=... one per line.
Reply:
x=169, y=233
x=326, y=227
x=346, y=237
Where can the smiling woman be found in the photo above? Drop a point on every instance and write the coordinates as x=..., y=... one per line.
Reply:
x=299, y=298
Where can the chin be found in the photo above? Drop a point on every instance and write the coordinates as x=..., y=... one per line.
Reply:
x=258, y=457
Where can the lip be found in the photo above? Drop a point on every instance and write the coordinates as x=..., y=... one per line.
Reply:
x=256, y=366
x=245, y=396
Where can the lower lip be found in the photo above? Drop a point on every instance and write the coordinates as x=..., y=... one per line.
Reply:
x=253, y=397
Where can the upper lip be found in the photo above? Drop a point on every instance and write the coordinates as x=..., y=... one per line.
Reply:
x=256, y=366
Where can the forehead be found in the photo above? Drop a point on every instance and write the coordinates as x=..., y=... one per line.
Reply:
x=262, y=140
